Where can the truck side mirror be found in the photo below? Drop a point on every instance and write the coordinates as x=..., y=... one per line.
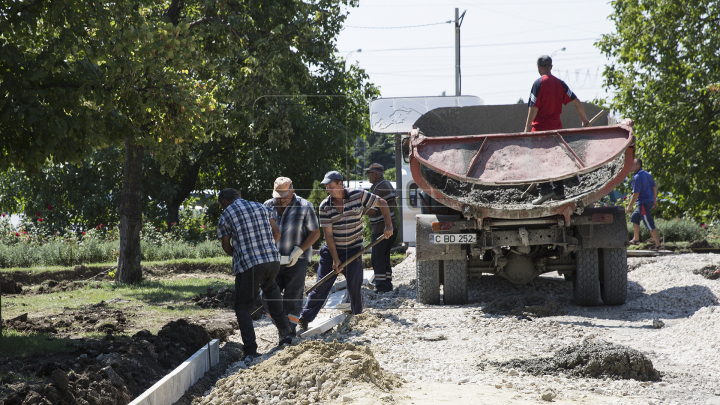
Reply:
x=406, y=149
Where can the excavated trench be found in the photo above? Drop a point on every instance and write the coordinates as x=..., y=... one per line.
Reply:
x=511, y=197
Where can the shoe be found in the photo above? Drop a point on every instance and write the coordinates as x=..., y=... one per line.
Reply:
x=656, y=248
x=634, y=242
x=287, y=339
x=249, y=357
x=543, y=198
x=303, y=324
x=384, y=286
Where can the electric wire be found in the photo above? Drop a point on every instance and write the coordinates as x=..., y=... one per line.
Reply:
x=396, y=28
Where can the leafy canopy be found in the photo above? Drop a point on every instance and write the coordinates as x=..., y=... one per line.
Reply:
x=665, y=77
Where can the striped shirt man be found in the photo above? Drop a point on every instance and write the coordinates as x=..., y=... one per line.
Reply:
x=249, y=224
x=347, y=226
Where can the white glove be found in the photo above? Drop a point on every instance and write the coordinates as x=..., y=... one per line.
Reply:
x=295, y=255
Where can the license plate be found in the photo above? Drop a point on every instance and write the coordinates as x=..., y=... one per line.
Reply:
x=444, y=238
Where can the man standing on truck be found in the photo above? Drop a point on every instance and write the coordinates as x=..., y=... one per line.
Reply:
x=547, y=97
x=381, y=252
x=645, y=193
x=299, y=230
x=248, y=233
x=341, y=221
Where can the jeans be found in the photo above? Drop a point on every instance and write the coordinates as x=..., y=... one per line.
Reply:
x=353, y=274
x=291, y=282
x=557, y=187
x=247, y=284
x=381, y=258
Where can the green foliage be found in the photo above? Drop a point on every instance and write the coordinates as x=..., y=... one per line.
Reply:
x=665, y=77
x=673, y=230
x=375, y=148
x=390, y=174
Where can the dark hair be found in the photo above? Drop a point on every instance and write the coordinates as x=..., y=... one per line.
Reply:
x=638, y=161
x=229, y=194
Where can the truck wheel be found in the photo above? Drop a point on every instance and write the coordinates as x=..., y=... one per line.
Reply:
x=428, y=282
x=455, y=282
x=613, y=276
x=586, y=285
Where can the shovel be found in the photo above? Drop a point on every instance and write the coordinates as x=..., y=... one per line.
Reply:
x=355, y=256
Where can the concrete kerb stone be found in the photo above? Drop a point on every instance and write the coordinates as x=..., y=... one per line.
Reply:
x=173, y=386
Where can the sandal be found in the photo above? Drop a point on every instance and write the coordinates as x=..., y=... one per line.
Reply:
x=656, y=248
x=634, y=242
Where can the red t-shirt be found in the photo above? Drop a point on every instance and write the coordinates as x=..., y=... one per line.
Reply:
x=549, y=94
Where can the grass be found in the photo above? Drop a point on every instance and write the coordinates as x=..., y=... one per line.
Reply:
x=216, y=261
x=22, y=344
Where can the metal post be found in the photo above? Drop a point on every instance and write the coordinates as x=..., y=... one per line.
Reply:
x=457, y=52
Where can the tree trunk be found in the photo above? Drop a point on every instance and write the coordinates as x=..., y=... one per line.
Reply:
x=128, y=270
x=185, y=186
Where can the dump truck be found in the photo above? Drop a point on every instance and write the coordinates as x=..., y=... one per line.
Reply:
x=477, y=216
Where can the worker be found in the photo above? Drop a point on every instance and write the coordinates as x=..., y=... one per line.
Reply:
x=299, y=229
x=645, y=193
x=341, y=221
x=381, y=252
x=547, y=97
x=249, y=234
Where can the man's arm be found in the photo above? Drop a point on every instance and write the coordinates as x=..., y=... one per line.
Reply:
x=581, y=111
x=634, y=198
x=275, y=230
x=654, y=197
x=382, y=204
x=532, y=113
x=310, y=239
x=330, y=241
x=226, y=245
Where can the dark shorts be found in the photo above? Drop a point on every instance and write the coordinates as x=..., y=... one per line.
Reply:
x=643, y=213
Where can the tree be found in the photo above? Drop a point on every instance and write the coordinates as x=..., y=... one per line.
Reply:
x=665, y=77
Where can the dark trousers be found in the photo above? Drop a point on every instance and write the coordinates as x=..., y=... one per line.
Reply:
x=291, y=282
x=557, y=187
x=381, y=258
x=247, y=285
x=353, y=274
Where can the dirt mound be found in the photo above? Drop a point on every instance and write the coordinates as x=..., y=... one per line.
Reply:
x=223, y=298
x=311, y=372
x=106, y=371
x=710, y=272
x=362, y=322
x=590, y=359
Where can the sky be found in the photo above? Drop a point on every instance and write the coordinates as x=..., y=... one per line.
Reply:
x=500, y=44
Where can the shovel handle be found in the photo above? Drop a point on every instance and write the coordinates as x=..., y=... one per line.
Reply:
x=355, y=256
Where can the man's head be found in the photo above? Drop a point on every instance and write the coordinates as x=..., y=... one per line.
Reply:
x=544, y=64
x=333, y=183
x=283, y=191
x=227, y=196
x=637, y=165
x=375, y=172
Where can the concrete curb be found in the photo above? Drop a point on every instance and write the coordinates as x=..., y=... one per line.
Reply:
x=173, y=386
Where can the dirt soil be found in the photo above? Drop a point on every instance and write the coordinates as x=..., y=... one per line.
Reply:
x=105, y=371
x=511, y=197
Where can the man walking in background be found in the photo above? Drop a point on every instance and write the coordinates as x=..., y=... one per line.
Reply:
x=645, y=193
x=249, y=234
x=381, y=252
x=299, y=229
x=341, y=221
x=547, y=97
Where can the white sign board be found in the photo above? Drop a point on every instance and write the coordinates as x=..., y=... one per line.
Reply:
x=398, y=114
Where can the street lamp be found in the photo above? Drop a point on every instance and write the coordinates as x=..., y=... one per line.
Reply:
x=347, y=56
x=561, y=49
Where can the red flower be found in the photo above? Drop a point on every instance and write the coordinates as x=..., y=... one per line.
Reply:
x=624, y=197
x=704, y=226
x=83, y=232
x=38, y=214
x=49, y=207
x=677, y=219
x=24, y=232
x=172, y=223
x=17, y=234
x=157, y=229
x=100, y=226
x=202, y=226
x=3, y=215
x=40, y=219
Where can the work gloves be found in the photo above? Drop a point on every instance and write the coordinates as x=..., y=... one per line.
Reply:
x=295, y=255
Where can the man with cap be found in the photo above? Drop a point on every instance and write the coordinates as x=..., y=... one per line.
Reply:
x=547, y=97
x=341, y=221
x=249, y=234
x=299, y=229
x=381, y=252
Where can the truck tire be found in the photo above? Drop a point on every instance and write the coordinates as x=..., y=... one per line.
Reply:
x=613, y=276
x=586, y=284
x=455, y=285
x=428, y=282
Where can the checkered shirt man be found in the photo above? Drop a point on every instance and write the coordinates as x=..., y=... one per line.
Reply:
x=296, y=223
x=249, y=224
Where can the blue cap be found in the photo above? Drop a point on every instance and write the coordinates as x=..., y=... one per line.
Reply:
x=330, y=176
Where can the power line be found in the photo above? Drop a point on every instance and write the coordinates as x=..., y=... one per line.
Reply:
x=478, y=45
x=395, y=28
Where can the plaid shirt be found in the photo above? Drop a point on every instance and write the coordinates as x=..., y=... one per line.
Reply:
x=249, y=224
x=296, y=223
x=347, y=227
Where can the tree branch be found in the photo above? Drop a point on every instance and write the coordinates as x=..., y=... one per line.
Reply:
x=217, y=20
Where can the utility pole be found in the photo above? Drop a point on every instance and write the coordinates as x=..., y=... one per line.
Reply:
x=458, y=23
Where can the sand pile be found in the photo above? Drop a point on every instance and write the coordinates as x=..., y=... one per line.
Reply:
x=594, y=359
x=313, y=371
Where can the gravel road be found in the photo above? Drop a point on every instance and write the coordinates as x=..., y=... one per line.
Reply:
x=499, y=348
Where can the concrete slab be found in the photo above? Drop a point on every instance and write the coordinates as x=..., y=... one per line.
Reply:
x=648, y=253
x=335, y=299
x=368, y=276
x=324, y=326
x=173, y=386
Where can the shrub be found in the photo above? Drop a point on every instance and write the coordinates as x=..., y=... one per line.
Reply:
x=674, y=230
